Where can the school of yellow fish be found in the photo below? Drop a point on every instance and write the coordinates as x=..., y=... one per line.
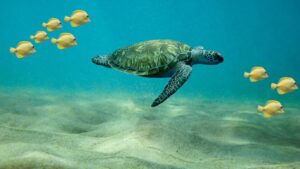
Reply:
x=65, y=40
x=284, y=86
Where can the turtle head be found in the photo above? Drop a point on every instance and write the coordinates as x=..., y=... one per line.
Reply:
x=208, y=57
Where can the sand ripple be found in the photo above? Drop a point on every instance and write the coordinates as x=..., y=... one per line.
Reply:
x=48, y=129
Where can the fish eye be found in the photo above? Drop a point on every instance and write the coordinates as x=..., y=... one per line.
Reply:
x=87, y=16
x=32, y=47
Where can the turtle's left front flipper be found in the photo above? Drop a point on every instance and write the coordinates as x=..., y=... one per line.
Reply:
x=180, y=76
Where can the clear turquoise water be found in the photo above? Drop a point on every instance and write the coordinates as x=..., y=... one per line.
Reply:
x=247, y=33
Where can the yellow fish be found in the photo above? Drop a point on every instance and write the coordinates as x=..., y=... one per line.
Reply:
x=65, y=40
x=257, y=73
x=285, y=85
x=52, y=24
x=79, y=17
x=23, y=49
x=39, y=36
x=271, y=108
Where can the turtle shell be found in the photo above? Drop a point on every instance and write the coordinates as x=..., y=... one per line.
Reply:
x=149, y=58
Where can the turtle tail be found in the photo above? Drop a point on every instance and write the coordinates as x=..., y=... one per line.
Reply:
x=101, y=60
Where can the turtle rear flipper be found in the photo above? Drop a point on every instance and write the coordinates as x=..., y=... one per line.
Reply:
x=181, y=75
x=101, y=60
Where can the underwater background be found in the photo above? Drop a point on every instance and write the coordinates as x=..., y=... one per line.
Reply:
x=59, y=110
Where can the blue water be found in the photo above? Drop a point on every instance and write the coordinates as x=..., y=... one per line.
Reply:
x=247, y=33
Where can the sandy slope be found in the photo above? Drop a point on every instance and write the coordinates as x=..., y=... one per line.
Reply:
x=51, y=129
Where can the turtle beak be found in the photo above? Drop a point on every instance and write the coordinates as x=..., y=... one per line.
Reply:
x=219, y=57
x=94, y=60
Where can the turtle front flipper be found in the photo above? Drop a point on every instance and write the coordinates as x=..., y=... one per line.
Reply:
x=181, y=75
x=101, y=60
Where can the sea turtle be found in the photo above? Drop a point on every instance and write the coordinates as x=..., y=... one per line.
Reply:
x=159, y=58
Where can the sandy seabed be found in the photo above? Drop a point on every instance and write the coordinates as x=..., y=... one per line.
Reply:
x=90, y=130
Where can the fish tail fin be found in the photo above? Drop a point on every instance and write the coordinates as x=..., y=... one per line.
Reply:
x=31, y=37
x=12, y=50
x=246, y=74
x=274, y=86
x=53, y=41
x=260, y=108
x=44, y=24
x=67, y=18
